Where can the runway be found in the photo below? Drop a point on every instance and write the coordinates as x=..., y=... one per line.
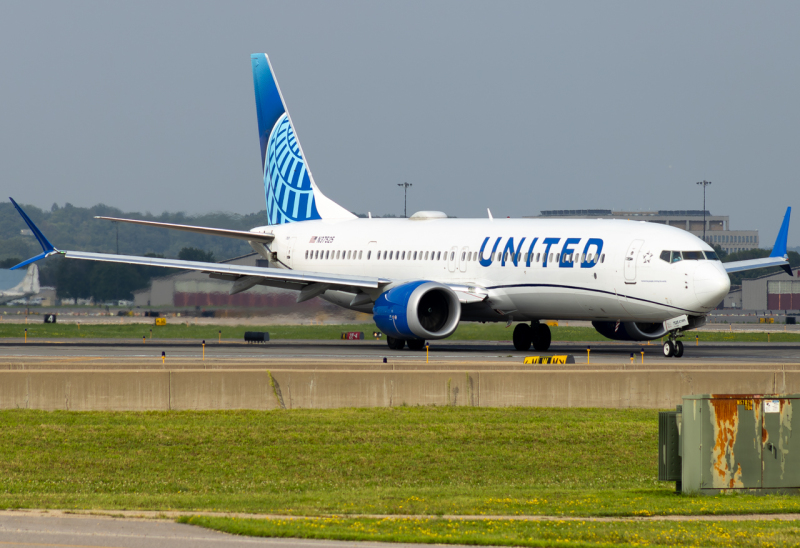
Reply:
x=26, y=530
x=370, y=355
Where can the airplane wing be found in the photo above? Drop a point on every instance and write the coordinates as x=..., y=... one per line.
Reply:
x=244, y=277
x=778, y=257
x=240, y=234
x=234, y=272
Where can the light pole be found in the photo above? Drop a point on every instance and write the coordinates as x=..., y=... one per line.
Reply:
x=405, y=197
x=705, y=184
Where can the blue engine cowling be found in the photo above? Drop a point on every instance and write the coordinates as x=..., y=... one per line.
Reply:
x=418, y=310
x=630, y=331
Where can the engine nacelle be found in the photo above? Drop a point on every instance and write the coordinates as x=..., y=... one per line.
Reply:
x=641, y=331
x=631, y=331
x=418, y=310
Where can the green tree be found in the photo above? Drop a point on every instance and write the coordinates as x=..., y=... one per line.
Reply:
x=11, y=261
x=195, y=254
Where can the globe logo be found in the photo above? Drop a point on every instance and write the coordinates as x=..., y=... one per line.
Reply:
x=289, y=194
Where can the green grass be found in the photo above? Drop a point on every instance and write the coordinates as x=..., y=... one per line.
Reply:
x=517, y=533
x=210, y=333
x=403, y=461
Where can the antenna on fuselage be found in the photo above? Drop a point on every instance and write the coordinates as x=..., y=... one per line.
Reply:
x=489, y=211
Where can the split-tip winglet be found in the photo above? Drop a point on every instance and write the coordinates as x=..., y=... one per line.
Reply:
x=47, y=248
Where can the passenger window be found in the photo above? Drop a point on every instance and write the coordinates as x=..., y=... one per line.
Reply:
x=415, y=255
x=426, y=255
x=368, y=254
x=538, y=256
x=452, y=255
x=664, y=256
x=603, y=258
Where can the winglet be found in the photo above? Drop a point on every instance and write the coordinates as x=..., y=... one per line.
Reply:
x=779, y=249
x=47, y=248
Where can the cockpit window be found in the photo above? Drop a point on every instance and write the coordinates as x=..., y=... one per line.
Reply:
x=665, y=256
x=711, y=256
x=693, y=256
x=676, y=257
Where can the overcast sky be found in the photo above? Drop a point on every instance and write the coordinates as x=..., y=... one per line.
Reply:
x=148, y=106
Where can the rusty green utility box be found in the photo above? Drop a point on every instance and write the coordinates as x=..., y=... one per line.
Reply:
x=739, y=443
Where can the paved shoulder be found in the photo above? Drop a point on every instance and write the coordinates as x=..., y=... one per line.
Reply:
x=19, y=530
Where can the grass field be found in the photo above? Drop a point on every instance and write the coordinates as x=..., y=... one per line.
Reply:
x=210, y=333
x=406, y=462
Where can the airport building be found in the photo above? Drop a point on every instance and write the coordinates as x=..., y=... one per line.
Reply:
x=717, y=227
x=779, y=292
x=197, y=291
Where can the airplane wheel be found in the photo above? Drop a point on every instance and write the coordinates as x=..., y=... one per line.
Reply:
x=395, y=344
x=678, y=349
x=541, y=337
x=416, y=344
x=522, y=337
x=669, y=349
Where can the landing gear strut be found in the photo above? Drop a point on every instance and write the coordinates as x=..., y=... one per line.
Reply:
x=537, y=334
x=673, y=347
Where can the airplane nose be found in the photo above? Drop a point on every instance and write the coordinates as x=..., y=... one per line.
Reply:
x=711, y=283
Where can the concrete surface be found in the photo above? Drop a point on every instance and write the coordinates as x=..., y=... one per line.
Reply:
x=119, y=375
x=303, y=389
x=18, y=530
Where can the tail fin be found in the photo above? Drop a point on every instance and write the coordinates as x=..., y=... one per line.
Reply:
x=30, y=283
x=290, y=190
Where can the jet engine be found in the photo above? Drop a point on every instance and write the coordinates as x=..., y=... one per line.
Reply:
x=630, y=331
x=641, y=331
x=418, y=310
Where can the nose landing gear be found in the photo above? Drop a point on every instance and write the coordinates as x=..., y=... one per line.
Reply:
x=673, y=348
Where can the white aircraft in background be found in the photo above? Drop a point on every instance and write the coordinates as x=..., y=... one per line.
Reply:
x=419, y=277
x=27, y=286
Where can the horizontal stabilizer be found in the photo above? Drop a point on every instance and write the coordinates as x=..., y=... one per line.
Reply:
x=224, y=232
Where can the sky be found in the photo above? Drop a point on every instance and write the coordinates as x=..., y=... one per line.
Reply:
x=513, y=106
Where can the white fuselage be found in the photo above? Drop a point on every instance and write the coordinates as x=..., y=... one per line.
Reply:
x=564, y=269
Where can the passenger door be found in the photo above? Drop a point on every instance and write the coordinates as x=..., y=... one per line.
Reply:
x=290, y=250
x=631, y=256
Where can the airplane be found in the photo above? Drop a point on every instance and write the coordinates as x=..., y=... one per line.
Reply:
x=27, y=286
x=420, y=276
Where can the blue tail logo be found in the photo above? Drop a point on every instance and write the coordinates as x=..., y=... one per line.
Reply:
x=288, y=184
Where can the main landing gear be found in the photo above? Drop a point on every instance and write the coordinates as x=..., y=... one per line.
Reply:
x=673, y=347
x=399, y=344
x=537, y=334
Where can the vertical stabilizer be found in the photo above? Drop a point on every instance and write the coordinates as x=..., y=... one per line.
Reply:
x=290, y=190
x=30, y=283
